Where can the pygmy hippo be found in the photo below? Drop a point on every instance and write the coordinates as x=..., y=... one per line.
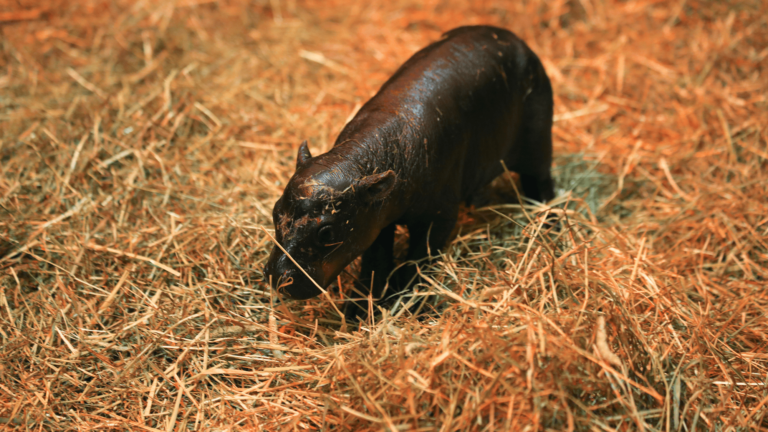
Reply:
x=435, y=133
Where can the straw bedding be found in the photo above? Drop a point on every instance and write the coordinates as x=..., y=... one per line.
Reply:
x=143, y=145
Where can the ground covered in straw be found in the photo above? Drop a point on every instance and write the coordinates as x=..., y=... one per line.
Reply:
x=143, y=145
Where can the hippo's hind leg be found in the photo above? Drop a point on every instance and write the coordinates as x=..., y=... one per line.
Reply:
x=533, y=156
x=376, y=265
x=538, y=187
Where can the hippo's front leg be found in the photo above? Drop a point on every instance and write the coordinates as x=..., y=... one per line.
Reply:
x=426, y=239
x=377, y=263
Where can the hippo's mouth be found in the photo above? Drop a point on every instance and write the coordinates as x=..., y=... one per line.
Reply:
x=290, y=281
x=294, y=284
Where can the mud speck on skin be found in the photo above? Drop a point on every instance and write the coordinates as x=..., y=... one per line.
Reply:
x=289, y=226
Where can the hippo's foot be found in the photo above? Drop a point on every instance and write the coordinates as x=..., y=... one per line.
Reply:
x=355, y=311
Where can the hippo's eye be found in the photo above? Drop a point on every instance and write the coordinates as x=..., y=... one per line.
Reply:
x=325, y=235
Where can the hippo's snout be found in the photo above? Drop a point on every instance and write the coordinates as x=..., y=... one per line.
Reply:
x=289, y=280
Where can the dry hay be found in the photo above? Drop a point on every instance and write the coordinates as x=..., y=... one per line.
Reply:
x=144, y=143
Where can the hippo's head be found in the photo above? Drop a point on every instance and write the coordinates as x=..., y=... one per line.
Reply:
x=328, y=215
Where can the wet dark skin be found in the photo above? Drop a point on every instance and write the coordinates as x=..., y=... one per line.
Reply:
x=432, y=137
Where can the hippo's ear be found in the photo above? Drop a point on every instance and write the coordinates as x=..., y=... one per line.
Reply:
x=304, y=155
x=376, y=187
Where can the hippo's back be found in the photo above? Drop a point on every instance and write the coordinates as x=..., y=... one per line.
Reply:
x=450, y=113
